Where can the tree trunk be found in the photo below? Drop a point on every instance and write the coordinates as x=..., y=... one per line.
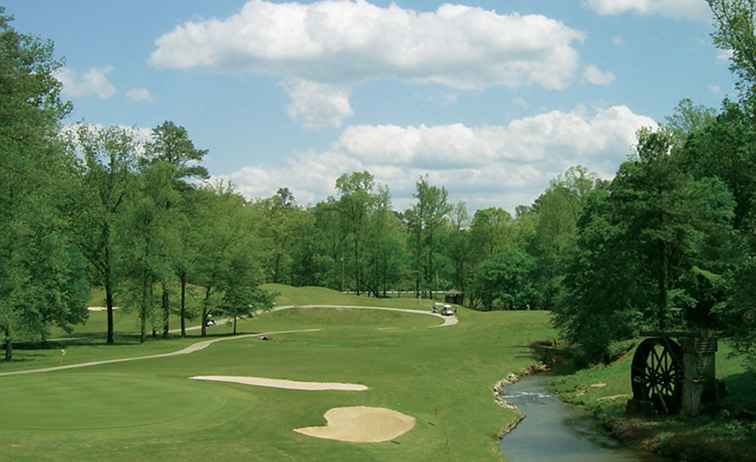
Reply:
x=143, y=309
x=357, y=281
x=183, y=304
x=109, y=303
x=204, y=312
x=166, y=310
x=277, y=268
x=8, y=347
x=663, y=281
x=234, y=324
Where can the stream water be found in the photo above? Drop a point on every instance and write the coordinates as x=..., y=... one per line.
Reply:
x=555, y=432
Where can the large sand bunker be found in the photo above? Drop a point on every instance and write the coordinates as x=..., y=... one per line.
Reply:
x=361, y=424
x=285, y=384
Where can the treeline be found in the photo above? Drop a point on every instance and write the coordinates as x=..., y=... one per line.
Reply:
x=668, y=243
x=83, y=207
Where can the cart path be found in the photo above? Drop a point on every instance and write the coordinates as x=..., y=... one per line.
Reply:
x=194, y=347
x=448, y=322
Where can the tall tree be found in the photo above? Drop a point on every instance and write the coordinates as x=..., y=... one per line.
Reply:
x=149, y=238
x=356, y=199
x=42, y=280
x=735, y=33
x=424, y=220
x=109, y=159
x=172, y=145
x=223, y=235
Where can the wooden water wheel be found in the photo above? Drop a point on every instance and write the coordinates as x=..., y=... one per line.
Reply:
x=657, y=374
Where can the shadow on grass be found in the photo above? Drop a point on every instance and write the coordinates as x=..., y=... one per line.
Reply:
x=740, y=390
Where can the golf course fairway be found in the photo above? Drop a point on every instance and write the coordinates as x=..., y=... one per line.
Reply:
x=151, y=410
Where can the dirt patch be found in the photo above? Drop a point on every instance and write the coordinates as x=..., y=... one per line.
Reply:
x=361, y=424
x=284, y=384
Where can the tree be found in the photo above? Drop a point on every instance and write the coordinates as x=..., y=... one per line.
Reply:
x=356, y=200
x=735, y=33
x=109, y=160
x=670, y=216
x=502, y=279
x=656, y=237
x=241, y=295
x=459, y=243
x=739, y=315
x=223, y=234
x=602, y=292
x=171, y=144
x=490, y=231
x=385, y=247
x=42, y=276
x=557, y=211
x=148, y=236
x=424, y=220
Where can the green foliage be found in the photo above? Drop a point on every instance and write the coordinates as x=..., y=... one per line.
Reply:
x=502, y=280
x=740, y=313
x=734, y=32
x=42, y=275
x=424, y=222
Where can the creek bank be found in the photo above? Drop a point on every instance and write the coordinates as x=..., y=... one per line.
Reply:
x=603, y=391
x=499, y=394
x=558, y=432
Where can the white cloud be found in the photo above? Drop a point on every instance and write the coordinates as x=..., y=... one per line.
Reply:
x=714, y=88
x=502, y=165
x=317, y=105
x=685, y=9
x=618, y=40
x=337, y=41
x=725, y=55
x=93, y=82
x=596, y=76
x=140, y=135
x=139, y=95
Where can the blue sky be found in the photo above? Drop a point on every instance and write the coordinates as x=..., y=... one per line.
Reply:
x=490, y=98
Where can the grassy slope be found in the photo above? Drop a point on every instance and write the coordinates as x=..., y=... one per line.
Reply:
x=148, y=410
x=705, y=438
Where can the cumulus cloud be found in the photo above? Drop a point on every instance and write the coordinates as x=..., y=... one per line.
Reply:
x=93, y=82
x=337, y=41
x=503, y=165
x=596, y=76
x=686, y=9
x=139, y=95
x=317, y=105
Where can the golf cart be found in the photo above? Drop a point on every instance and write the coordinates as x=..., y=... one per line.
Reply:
x=444, y=309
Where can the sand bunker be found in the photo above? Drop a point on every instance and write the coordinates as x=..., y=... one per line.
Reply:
x=285, y=384
x=100, y=308
x=361, y=425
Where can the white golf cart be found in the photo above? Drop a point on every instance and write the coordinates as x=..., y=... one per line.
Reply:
x=444, y=309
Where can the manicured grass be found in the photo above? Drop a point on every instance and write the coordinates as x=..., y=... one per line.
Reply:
x=701, y=439
x=149, y=410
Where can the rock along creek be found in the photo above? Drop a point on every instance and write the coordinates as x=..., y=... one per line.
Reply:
x=555, y=432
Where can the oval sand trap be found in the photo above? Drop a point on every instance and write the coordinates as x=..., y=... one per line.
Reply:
x=285, y=384
x=361, y=424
